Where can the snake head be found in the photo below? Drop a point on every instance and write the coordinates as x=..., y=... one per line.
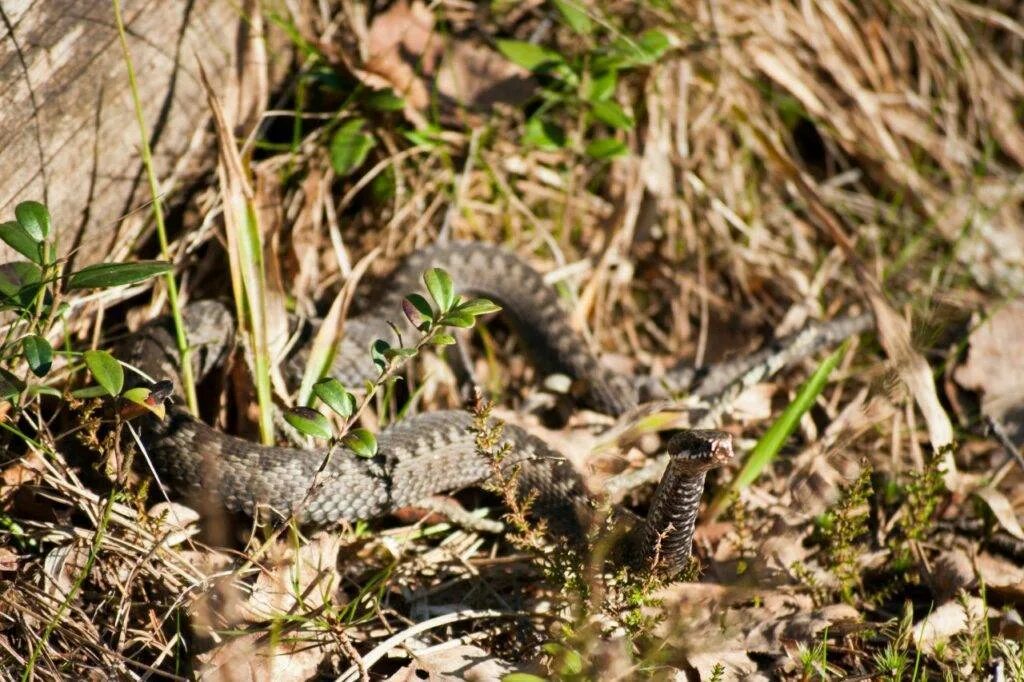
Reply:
x=701, y=450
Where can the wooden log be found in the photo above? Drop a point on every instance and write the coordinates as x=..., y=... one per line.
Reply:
x=68, y=132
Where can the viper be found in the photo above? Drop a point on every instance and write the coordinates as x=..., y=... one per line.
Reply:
x=437, y=452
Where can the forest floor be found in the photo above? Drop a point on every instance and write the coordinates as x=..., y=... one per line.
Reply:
x=695, y=179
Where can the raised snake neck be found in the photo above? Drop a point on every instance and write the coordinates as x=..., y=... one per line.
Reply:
x=433, y=453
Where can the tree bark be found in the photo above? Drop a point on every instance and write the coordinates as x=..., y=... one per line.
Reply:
x=68, y=132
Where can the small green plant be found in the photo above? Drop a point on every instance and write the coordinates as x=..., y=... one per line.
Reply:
x=814, y=659
x=891, y=662
x=842, y=529
x=583, y=85
x=431, y=321
x=34, y=291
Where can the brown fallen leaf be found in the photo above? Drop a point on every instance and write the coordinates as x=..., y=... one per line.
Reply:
x=462, y=662
x=252, y=658
x=951, y=571
x=1001, y=508
x=1001, y=577
x=947, y=621
x=303, y=580
x=995, y=368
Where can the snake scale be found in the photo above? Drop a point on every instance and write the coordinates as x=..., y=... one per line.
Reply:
x=434, y=453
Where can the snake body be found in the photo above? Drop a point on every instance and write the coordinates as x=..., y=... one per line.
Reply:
x=431, y=453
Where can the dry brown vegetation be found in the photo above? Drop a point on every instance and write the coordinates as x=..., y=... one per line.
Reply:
x=786, y=162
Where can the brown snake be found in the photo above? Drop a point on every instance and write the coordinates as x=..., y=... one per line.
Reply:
x=433, y=453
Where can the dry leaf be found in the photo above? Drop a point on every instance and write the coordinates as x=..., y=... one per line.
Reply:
x=401, y=41
x=477, y=77
x=462, y=661
x=995, y=368
x=951, y=572
x=1002, y=510
x=1001, y=576
x=306, y=580
x=250, y=658
x=945, y=622
x=736, y=663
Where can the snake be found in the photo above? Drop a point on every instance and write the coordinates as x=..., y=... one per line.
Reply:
x=438, y=452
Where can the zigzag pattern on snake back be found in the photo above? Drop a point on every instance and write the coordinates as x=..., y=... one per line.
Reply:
x=433, y=453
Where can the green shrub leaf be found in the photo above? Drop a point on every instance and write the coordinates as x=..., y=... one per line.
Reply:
x=606, y=148
x=143, y=397
x=384, y=100
x=103, y=275
x=309, y=421
x=15, y=236
x=34, y=219
x=611, y=113
x=477, y=307
x=543, y=135
x=334, y=396
x=19, y=282
x=439, y=284
x=361, y=442
x=527, y=55
x=106, y=370
x=443, y=340
x=38, y=354
x=10, y=385
x=421, y=310
x=601, y=85
x=349, y=146
x=575, y=16
x=459, y=319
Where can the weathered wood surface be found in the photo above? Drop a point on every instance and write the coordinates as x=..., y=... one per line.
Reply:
x=68, y=134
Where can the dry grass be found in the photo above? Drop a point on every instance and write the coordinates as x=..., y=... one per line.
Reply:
x=765, y=125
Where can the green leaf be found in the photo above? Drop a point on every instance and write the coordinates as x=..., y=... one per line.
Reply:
x=647, y=49
x=103, y=275
x=458, y=319
x=89, y=392
x=775, y=437
x=606, y=148
x=378, y=353
x=19, y=282
x=404, y=353
x=601, y=85
x=384, y=100
x=572, y=662
x=34, y=219
x=349, y=146
x=334, y=396
x=441, y=289
x=106, y=370
x=10, y=385
x=543, y=135
x=15, y=236
x=309, y=421
x=527, y=55
x=653, y=44
x=420, y=307
x=575, y=16
x=523, y=677
x=429, y=137
x=611, y=113
x=443, y=340
x=477, y=307
x=143, y=396
x=38, y=354
x=361, y=442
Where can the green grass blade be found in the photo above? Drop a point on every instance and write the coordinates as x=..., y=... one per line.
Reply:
x=764, y=453
x=187, y=379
